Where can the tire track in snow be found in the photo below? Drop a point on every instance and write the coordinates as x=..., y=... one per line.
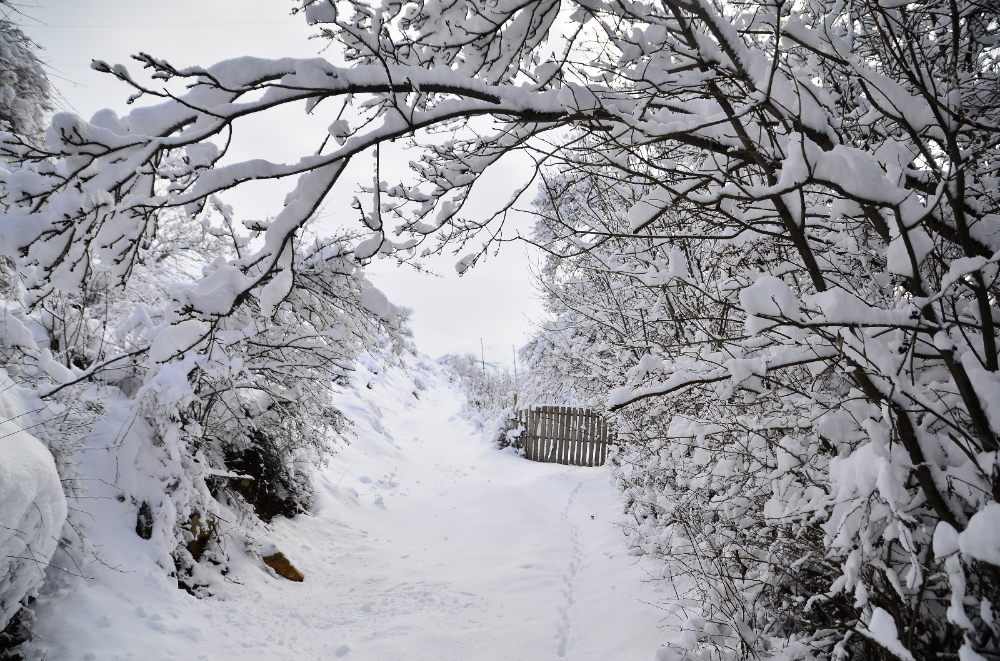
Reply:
x=569, y=578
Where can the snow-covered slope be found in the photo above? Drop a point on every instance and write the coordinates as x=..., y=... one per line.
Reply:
x=32, y=506
x=425, y=542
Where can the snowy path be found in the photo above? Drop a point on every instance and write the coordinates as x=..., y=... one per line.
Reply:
x=425, y=543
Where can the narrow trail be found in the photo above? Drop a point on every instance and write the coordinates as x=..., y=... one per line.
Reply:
x=570, y=576
x=425, y=542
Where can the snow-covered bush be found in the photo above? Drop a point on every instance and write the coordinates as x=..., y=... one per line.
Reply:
x=32, y=505
x=491, y=395
x=25, y=95
x=770, y=483
x=488, y=386
x=559, y=368
x=226, y=422
x=35, y=467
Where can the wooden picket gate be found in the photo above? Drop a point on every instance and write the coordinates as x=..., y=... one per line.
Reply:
x=564, y=435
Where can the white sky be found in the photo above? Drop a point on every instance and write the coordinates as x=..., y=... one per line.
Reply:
x=495, y=301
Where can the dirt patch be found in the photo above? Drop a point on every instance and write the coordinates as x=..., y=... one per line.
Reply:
x=282, y=567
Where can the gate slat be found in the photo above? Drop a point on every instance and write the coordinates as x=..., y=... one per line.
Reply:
x=578, y=438
x=568, y=436
x=563, y=433
x=604, y=442
x=526, y=434
x=589, y=451
x=556, y=434
x=517, y=421
x=581, y=416
x=538, y=434
x=556, y=429
x=546, y=425
x=540, y=431
x=568, y=454
x=571, y=437
x=574, y=432
x=598, y=425
x=550, y=435
x=536, y=429
x=597, y=440
x=592, y=451
x=553, y=434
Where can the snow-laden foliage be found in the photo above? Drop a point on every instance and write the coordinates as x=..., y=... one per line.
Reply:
x=217, y=426
x=488, y=386
x=785, y=490
x=216, y=420
x=810, y=187
x=599, y=322
x=25, y=95
x=34, y=467
x=491, y=392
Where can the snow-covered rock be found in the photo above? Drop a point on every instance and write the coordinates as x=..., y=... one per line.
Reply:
x=32, y=505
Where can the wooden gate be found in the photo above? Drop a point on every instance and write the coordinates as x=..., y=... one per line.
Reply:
x=564, y=435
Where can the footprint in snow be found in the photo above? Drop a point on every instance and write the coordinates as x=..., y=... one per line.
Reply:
x=365, y=479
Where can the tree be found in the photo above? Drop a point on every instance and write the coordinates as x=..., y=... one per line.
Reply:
x=832, y=167
x=605, y=314
x=25, y=94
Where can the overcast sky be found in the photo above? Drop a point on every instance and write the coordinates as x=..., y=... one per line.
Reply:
x=495, y=302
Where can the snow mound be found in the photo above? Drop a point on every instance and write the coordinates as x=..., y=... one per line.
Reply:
x=34, y=507
x=981, y=539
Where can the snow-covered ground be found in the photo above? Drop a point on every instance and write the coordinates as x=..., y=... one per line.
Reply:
x=425, y=543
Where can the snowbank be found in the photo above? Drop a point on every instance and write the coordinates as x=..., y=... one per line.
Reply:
x=33, y=506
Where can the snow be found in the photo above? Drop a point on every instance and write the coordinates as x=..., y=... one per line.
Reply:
x=59, y=372
x=425, y=542
x=648, y=208
x=176, y=339
x=768, y=296
x=981, y=538
x=279, y=287
x=468, y=541
x=899, y=257
x=369, y=247
x=945, y=540
x=320, y=11
x=13, y=331
x=373, y=300
x=882, y=629
x=34, y=507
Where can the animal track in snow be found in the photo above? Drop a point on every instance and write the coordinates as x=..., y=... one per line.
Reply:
x=569, y=578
